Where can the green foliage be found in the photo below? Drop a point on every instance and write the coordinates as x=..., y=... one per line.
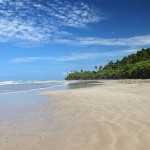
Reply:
x=134, y=66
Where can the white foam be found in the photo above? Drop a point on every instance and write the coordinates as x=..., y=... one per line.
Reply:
x=30, y=82
x=64, y=83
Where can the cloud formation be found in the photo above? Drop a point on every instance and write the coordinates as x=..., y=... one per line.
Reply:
x=43, y=21
x=74, y=57
x=131, y=41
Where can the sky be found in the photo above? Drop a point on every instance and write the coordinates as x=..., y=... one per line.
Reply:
x=45, y=39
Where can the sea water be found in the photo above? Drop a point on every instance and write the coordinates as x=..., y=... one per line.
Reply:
x=23, y=86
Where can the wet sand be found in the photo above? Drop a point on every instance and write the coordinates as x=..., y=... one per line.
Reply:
x=114, y=115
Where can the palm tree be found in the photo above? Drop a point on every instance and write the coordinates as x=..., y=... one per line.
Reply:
x=100, y=68
x=96, y=68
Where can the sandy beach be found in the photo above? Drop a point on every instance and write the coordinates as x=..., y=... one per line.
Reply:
x=114, y=115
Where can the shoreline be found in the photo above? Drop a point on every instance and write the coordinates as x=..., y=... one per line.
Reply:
x=109, y=116
x=38, y=89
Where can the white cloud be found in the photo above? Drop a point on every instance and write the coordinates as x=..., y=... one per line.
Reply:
x=40, y=21
x=30, y=22
x=1, y=1
x=75, y=56
x=131, y=41
x=25, y=59
x=82, y=56
x=137, y=40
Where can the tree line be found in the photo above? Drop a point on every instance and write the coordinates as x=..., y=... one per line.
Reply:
x=134, y=66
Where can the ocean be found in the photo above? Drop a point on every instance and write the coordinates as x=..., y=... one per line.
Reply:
x=23, y=86
x=24, y=110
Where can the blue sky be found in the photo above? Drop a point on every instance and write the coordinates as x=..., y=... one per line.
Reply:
x=44, y=39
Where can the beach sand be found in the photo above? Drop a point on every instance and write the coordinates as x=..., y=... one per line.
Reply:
x=112, y=116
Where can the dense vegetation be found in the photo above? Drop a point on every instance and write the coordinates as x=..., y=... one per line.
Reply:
x=134, y=66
